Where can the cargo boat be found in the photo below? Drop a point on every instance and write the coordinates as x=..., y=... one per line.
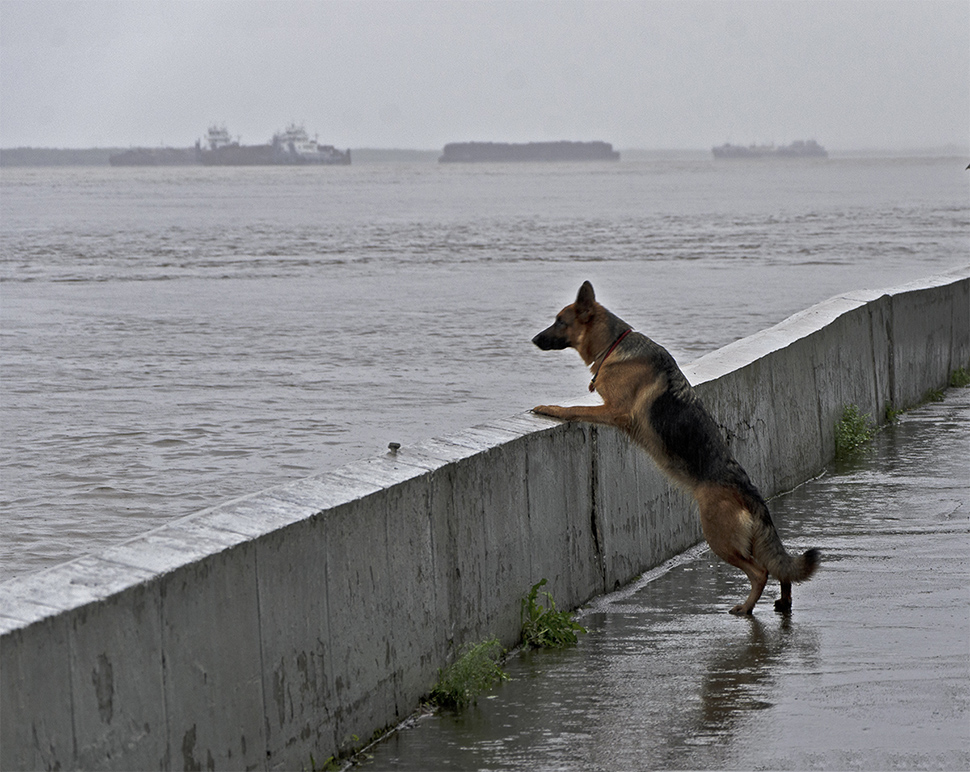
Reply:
x=798, y=149
x=289, y=147
x=472, y=152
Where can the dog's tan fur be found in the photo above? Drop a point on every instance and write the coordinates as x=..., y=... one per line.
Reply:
x=646, y=395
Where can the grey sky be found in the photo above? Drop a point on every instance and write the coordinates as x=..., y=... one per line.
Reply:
x=882, y=73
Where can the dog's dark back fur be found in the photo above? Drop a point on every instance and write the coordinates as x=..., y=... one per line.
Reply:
x=696, y=452
x=646, y=395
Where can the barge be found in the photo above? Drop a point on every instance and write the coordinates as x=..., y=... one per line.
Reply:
x=473, y=152
x=798, y=149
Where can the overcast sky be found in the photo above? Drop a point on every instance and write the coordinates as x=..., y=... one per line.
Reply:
x=653, y=74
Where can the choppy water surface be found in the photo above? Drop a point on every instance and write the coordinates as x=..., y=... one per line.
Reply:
x=171, y=338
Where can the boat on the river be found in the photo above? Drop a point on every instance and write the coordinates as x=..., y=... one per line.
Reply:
x=290, y=147
x=472, y=152
x=798, y=149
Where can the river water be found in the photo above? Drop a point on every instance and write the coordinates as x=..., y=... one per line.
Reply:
x=174, y=337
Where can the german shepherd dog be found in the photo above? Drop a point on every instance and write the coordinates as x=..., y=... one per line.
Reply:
x=646, y=395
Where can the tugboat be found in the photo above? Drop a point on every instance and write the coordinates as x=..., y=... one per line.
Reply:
x=221, y=150
x=294, y=146
x=289, y=147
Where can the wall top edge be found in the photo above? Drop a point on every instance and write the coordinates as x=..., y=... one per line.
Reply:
x=195, y=537
x=192, y=538
x=800, y=325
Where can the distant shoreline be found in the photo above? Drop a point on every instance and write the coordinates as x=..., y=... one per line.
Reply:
x=41, y=157
x=99, y=156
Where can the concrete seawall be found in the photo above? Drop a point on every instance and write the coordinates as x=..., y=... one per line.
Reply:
x=287, y=623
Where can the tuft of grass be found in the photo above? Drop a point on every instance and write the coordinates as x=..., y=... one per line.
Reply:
x=545, y=627
x=330, y=765
x=960, y=378
x=475, y=670
x=893, y=414
x=853, y=431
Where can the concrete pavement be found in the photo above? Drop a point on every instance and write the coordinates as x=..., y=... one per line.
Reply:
x=870, y=671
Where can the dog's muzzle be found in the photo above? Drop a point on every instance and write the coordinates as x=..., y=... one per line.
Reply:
x=547, y=340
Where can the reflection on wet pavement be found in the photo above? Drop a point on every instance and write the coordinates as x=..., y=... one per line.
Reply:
x=870, y=671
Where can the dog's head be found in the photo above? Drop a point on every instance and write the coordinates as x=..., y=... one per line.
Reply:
x=570, y=323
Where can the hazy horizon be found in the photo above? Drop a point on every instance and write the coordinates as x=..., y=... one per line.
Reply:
x=414, y=75
x=948, y=149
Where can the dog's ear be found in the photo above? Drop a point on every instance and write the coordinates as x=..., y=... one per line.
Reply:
x=585, y=301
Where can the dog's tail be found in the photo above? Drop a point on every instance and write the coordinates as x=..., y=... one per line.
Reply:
x=780, y=563
x=800, y=567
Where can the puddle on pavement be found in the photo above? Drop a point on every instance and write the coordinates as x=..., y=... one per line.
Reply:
x=869, y=671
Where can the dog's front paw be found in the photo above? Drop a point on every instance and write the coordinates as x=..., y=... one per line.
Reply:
x=550, y=410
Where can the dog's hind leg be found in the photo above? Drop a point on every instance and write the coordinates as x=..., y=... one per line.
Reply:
x=729, y=529
x=783, y=604
x=758, y=577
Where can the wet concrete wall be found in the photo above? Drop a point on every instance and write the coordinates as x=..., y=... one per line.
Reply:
x=296, y=620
